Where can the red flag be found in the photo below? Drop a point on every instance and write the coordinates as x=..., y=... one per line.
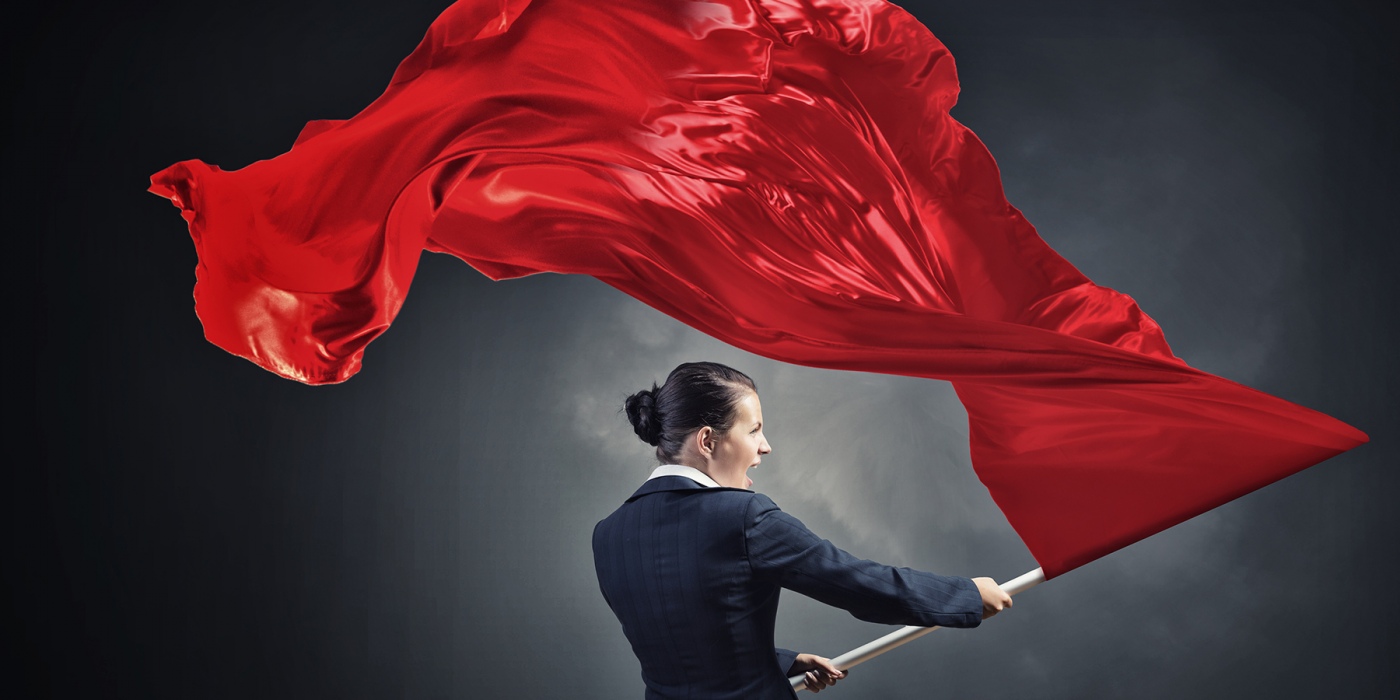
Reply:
x=781, y=174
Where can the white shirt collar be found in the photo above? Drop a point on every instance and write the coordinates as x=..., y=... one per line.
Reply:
x=688, y=472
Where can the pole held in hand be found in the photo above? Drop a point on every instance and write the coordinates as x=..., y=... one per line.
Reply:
x=868, y=651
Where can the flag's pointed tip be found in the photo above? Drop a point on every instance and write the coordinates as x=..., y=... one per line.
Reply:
x=1328, y=430
x=1352, y=433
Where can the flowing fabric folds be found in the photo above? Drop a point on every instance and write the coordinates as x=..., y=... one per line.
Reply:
x=780, y=174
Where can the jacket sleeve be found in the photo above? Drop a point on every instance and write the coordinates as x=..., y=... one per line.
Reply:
x=786, y=659
x=783, y=551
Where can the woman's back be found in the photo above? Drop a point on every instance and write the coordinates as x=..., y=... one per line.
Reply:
x=671, y=563
x=693, y=574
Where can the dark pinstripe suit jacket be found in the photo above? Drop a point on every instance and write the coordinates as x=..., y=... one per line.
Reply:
x=693, y=574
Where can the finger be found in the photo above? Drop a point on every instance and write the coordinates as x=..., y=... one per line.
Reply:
x=830, y=667
x=813, y=684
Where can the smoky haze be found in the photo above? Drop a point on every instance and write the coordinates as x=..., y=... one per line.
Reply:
x=193, y=526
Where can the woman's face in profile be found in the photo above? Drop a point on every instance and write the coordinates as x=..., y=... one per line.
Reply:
x=741, y=448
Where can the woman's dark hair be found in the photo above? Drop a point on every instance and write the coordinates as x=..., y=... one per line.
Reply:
x=696, y=394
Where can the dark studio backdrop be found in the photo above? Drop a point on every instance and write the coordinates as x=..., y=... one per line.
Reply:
x=186, y=525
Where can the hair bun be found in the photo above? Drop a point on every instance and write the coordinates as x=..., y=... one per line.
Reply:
x=641, y=411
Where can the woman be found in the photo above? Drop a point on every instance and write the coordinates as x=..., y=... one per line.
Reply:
x=692, y=563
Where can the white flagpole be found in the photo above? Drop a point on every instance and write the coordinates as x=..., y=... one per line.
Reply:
x=866, y=652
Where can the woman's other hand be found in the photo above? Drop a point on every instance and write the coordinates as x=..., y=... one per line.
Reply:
x=819, y=670
x=994, y=600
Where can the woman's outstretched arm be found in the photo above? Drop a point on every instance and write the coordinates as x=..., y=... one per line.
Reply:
x=782, y=550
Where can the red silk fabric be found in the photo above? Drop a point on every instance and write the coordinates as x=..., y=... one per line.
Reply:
x=780, y=174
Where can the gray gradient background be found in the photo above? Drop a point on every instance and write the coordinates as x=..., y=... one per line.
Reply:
x=194, y=526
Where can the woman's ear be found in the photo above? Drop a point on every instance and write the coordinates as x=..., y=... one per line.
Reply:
x=704, y=438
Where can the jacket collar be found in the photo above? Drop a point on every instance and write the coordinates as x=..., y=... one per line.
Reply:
x=692, y=473
x=674, y=483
